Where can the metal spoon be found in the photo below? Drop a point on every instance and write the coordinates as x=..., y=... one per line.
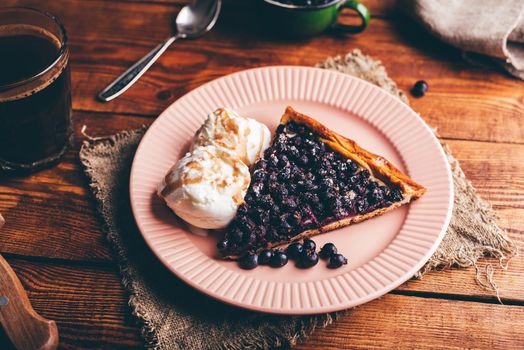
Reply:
x=192, y=21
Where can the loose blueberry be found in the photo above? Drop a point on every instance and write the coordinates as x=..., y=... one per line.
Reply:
x=265, y=256
x=279, y=259
x=420, y=88
x=308, y=259
x=257, y=188
x=336, y=261
x=328, y=250
x=309, y=245
x=294, y=250
x=248, y=261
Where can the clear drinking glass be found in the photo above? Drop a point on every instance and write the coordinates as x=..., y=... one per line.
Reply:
x=35, y=90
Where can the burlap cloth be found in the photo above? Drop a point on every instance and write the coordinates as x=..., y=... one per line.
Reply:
x=486, y=30
x=176, y=317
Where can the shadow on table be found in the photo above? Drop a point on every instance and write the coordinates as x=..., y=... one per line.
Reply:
x=173, y=313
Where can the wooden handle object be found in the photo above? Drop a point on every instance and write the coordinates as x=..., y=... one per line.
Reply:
x=25, y=328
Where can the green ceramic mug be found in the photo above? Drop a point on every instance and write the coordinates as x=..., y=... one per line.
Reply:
x=297, y=20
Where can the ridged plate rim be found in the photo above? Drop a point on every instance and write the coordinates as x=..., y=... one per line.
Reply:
x=368, y=281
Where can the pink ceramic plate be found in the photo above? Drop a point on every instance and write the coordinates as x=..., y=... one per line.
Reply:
x=383, y=252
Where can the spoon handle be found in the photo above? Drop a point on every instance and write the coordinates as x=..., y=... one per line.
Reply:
x=130, y=76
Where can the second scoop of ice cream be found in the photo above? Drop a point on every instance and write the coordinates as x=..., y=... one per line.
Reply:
x=227, y=130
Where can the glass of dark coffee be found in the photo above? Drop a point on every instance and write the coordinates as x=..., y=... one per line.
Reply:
x=35, y=90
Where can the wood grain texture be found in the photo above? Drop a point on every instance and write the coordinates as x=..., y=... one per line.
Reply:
x=69, y=229
x=88, y=304
x=398, y=322
x=75, y=234
x=378, y=8
x=464, y=102
x=52, y=213
x=25, y=328
x=51, y=218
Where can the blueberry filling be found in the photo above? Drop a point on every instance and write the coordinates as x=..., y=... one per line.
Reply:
x=301, y=184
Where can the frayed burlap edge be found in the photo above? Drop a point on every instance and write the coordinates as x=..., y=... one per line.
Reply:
x=460, y=247
x=126, y=142
x=91, y=146
x=364, y=67
x=358, y=65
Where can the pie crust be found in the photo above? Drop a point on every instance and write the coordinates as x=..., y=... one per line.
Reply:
x=379, y=168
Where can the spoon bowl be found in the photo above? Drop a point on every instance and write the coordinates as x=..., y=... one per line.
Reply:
x=197, y=18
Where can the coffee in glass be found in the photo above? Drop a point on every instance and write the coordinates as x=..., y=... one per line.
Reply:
x=35, y=90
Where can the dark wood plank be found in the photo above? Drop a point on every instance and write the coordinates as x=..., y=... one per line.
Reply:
x=89, y=306
x=69, y=228
x=57, y=202
x=377, y=8
x=464, y=102
x=398, y=322
x=21, y=324
x=52, y=213
x=482, y=106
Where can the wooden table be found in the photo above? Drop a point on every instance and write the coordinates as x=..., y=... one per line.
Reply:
x=53, y=237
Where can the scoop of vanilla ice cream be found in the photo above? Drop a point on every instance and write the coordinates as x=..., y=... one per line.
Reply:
x=226, y=129
x=206, y=187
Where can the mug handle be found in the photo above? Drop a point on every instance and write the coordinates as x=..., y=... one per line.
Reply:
x=362, y=11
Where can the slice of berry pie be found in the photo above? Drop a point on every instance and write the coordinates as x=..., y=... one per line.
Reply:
x=312, y=180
